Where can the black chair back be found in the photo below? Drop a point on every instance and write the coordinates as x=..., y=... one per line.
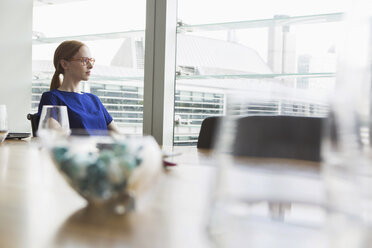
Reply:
x=34, y=119
x=208, y=132
x=290, y=137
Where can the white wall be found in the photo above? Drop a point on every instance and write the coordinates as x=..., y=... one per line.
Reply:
x=16, y=61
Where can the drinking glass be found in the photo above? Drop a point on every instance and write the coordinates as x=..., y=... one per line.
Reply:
x=261, y=195
x=3, y=123
x=53, y=123
x=347, y=150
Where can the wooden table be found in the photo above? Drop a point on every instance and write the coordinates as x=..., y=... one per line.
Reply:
x=38, y=209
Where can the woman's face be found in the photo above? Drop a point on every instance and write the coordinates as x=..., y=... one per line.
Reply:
x=80, y=65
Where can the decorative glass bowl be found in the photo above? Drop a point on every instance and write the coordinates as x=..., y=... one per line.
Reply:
x=108, y=171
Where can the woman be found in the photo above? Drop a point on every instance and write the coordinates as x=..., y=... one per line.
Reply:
x=86, y=112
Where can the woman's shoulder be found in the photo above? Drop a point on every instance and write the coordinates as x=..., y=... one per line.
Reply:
x=49, y=93
x=49, y=98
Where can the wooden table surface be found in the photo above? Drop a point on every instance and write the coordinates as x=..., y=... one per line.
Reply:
x=39, y=209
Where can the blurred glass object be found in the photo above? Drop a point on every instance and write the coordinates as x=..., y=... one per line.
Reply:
x=346, y=149
x=115, y=174
x=3, y=123
x=259, y=198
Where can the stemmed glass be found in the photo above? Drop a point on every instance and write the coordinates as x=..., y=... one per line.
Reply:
x=3, y=123
x=53, y=123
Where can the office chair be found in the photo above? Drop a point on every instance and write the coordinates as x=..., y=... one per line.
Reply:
x=34, y=119
x=292, y=137
x=289, y=137
x=208, y=132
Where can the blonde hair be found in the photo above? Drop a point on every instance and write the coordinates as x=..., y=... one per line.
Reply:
x=66, y=50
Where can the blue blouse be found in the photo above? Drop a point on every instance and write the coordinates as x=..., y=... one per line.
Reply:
x=85, y=111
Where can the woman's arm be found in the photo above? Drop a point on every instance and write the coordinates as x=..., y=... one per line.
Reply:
x=112, y=127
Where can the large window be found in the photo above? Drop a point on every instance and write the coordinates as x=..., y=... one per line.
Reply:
x=114, y=31
x=283, y=53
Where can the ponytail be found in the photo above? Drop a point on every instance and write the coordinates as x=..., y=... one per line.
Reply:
x=56, y=82
x=66, y=50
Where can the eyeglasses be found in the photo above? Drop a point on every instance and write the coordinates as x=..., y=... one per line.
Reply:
x=85, y=60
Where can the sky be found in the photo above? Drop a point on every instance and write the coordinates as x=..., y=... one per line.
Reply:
x=96, y=16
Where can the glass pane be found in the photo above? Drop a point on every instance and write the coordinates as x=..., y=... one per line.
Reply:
x=115, y=37
x=284, y=53
x=194, y=12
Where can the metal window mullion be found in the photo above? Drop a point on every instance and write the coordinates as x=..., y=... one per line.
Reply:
x=160, y=56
